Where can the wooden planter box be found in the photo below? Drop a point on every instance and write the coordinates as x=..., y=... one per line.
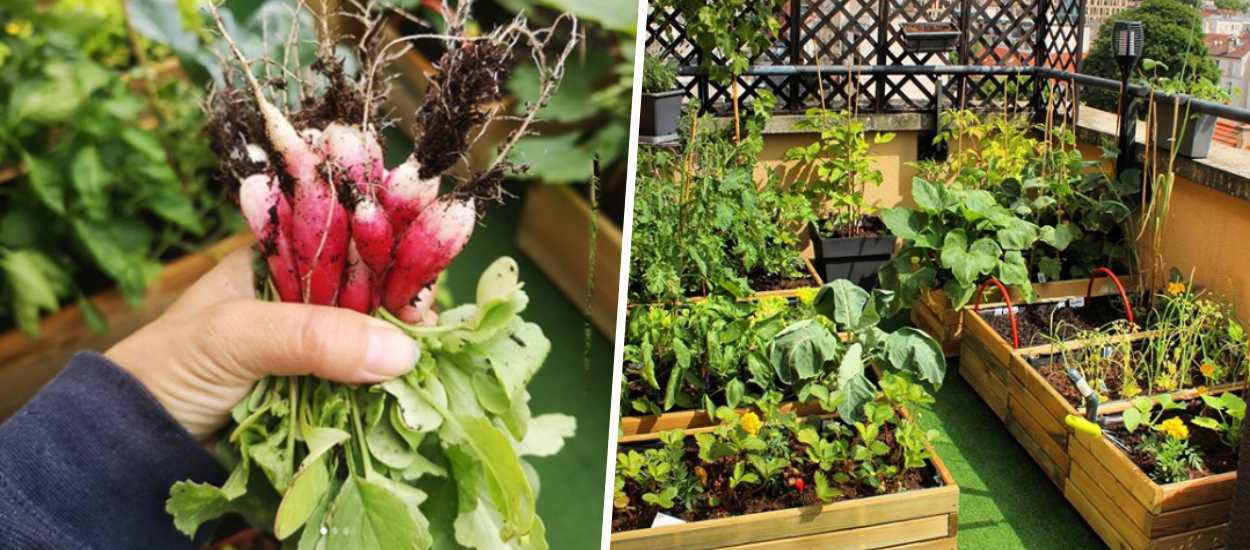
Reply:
x=555, y=233
x=638, y=428
x=26, y=365
x=1032, y=410
x=925, y=519
x=1128, y=510
x=933, y=313
x=788, y=293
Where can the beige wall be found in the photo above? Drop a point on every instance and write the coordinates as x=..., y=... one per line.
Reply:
x=892, y=159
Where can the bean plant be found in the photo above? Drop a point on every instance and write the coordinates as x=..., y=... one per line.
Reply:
x=778, y=456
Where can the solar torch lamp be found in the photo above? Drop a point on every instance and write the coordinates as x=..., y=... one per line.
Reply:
x=1128, y=39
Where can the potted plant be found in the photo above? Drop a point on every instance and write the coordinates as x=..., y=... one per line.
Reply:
x=776, y=479
x=849, y=241
x=935, y=36
x=1178, y=127
x=661, y=100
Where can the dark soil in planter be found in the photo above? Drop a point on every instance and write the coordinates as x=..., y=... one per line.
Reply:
x=751, y=499
x=1034, y=321
x=869, y=226
x=1054, y=370
x=764, y=282
x=1216, y=456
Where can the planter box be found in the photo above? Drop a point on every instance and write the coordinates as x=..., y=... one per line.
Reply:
x=1129, y=510
x=933, y=313
x=26, y=365
x=1194, y=141
x=660, y=114
x=638, y=428
x=1032, y=410
x=920, y=519
x=933, y=37
x=555, y=233
x=856, y=259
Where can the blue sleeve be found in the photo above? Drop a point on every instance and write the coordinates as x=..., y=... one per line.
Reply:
x=89, y=461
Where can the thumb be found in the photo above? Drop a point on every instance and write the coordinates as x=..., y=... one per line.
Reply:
x=269, y=338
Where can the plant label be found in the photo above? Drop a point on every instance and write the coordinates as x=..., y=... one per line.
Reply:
x=1000, y=311
x=662, y=519
x=1076, y=303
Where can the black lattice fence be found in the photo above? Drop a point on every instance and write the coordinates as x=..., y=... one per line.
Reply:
x=854, y=50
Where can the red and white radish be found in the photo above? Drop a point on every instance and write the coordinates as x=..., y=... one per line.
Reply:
x=425, y=249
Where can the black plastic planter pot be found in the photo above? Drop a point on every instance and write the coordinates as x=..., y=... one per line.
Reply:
x=1194, y=140
x=856, y=259
x=660, y=114
x=930, y=37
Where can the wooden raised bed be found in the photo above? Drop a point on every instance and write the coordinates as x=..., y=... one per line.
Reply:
x=922, y=519
x=1033, y=411
x=555, y=233
x=1128, y=510
x=933, y=313
x=638, y=428
x=26, y=365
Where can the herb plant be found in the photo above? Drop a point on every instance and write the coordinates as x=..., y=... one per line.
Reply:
x=836, y=169
x=328, y=465
x=1166, y=441
x=658, y=75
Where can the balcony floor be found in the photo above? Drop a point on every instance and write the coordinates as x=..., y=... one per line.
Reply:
x=1005, y=501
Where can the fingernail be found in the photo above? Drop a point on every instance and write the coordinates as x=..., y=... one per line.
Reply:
x=391, y=353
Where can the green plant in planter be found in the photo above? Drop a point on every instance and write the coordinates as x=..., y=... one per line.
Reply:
x=701, y=223
x=1231, y=412
x=658, y=75
x=1165, y=440
x=954, y=239
x=836, y=169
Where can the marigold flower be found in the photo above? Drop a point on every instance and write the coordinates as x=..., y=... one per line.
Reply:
x=700, y=473
x=1207, y=370
x=751, y=423
x=1201, y=391
x=1175, y=289
x=1174, y=428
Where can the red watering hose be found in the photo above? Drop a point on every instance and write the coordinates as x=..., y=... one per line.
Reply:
x=1128, y=308
x=1011, y=313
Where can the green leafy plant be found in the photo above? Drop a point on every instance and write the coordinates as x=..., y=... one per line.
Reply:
x=835, y=170
x=658, y=75
x=1231, y=413
x=109, y=180
x=1166, y=440
x=703, y=225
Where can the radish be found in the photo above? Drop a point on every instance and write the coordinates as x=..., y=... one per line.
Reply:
x=357, y=283
x=355, y=152
x=265, y=209
x=425, y=248
x=372, y=233
x=405, y=194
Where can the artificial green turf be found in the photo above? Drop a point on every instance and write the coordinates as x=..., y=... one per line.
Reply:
x=1005, y=501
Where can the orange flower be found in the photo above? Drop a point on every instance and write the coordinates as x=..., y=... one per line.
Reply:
x=700, y=473
x=1200, y=391
x=1207, y=370
x=1176, y=288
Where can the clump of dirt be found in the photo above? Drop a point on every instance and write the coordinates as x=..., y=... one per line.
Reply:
x=457, y=101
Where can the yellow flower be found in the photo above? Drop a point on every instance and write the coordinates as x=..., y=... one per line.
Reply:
x=1176, y=288
x=750, y=423
x=1201, y=391
x=1174, y=427
x=1207, y=370
x=18, y=28
x=700, y=473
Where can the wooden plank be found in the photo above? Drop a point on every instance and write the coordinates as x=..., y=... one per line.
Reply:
x=1094, y=518
x=979, y=333
x=1191, y=519
x=949, y=543
x=1131, y=523
x=1107, y=465
x=986, y=385
x=1052, y=426
x=890, y=535
x=1029, y=381
x=793, y=522
x=555, y=232
x=26, y=365
x=632, y=426
x=1200, y=491
x=1041, y=436
x=1052, y=470
x=1203, y=539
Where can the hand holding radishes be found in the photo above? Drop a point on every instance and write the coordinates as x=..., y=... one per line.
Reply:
x=325, y=464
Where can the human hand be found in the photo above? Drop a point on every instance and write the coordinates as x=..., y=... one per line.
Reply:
x=203, y=355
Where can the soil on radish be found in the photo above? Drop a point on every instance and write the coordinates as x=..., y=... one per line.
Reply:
x=751, y=499
x=1035, y=322
x=1217, y=457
